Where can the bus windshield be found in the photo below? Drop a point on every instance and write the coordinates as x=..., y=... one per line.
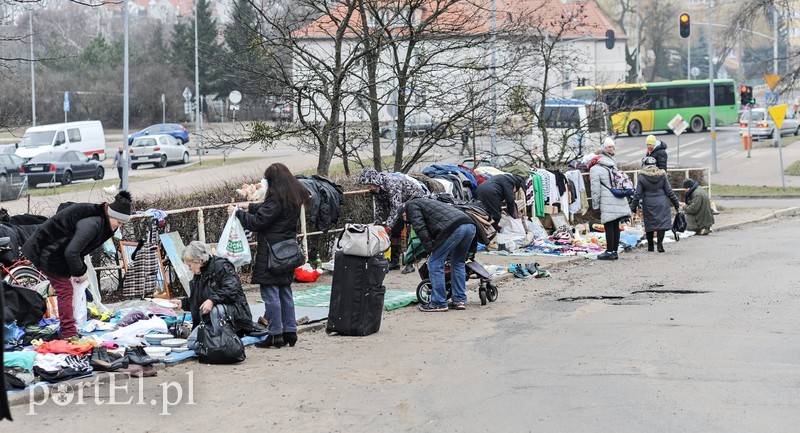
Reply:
x=36, y=139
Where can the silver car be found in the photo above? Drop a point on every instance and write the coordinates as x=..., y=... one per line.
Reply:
x=157, y=149
x=762, y=125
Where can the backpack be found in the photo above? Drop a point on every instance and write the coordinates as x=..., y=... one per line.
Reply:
x=621, y=184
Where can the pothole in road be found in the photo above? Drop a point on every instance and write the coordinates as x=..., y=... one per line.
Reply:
x=645, y=291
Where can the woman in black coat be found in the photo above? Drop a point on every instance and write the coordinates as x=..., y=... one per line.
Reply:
x=215, y=282
x=655, y=194
x=275, y=220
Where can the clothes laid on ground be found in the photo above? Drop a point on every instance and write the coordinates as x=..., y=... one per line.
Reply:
x=63, y=347
x=23, y=359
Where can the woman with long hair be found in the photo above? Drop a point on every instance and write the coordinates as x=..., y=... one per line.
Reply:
x=275, y=220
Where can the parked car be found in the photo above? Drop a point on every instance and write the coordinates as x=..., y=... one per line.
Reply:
x=174, y=129
x=8, y=148
x=10, y=165
x=418, y=129
x=761, y=124
x=282, y=111
x=158, y=150
x=62, y=166
x=498, y=161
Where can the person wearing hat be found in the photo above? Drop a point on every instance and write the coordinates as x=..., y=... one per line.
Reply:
x=655, y=194
x=390, y=192
x=60, y=244
x=658, y=150
x=697, y=207
x=497, y=194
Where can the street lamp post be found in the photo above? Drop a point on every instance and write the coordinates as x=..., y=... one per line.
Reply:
x=493, y=125
x=33, y=74
x=712, y=114
x=198, y=99
x=125, y=100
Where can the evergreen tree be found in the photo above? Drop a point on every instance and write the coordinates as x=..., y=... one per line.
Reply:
x=209, y=50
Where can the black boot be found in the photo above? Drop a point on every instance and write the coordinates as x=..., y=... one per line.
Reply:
x=289, y=338
x=660, y=247
x=394, y=261
x=275, y=341
x=137, y=355
x=650, y=242
x=257, y=330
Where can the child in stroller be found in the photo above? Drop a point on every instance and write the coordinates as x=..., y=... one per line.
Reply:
x=487, y=291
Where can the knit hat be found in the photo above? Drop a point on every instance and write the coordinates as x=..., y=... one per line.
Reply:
x=688, y=183
x=609, y=142
x=651, y=139
x=120, y=208
x=648, y=161
x=369, y=176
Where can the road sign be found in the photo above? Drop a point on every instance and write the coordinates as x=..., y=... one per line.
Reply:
x=695, y=71
x=234, y=107
x=778, y=113
x=235, y=98
x=771, y=98
x=187, y=94
x=187, y=107
x=66, y=102
x=772, y=81
x=678, y=125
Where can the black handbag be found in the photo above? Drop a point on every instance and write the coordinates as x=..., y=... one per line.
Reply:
x=284, y=256
x=217, y=342
x=678, y=225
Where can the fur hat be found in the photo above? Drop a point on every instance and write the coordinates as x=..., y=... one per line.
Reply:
x=648, y=162
x=369, y=176
x=651, y=140
x=120, y=208
x=688, y=183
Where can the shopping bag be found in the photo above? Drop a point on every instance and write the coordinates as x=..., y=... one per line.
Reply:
x=233, y=243
x=79, y=302
x=363, y=240
x=217, y=342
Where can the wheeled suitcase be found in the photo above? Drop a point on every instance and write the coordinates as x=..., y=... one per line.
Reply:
x=357, y=294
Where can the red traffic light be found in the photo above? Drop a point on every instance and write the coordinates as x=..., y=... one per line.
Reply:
x=743, y=89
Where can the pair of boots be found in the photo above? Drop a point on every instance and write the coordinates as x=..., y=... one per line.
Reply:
x=277, y=341
x=660, y=244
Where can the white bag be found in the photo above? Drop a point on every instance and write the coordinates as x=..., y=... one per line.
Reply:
x=233, y=243
x=79, y=302
x=363, y=240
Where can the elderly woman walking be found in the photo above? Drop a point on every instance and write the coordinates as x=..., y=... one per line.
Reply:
x=655, y=194
x=612, y=209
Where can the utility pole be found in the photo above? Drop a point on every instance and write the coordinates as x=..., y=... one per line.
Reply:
x=711, y=74
x=198, y=99
x=493, y=125
x=33, y=74
x=125, y=109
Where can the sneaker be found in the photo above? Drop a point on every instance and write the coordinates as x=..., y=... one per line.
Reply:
x=393, y=266
x=704, y=232
x=408, y=269
x=606, y=256
x=516, y=269
x=457, y=306
x=430, y=308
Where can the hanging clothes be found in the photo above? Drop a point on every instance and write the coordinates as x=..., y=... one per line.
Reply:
x=141, y=277
x=580, y=203
x=538, y=195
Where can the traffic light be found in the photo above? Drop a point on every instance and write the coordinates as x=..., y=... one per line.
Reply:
x=751, y=99
x=746, y=95
x=610, y=39
x=685, y=25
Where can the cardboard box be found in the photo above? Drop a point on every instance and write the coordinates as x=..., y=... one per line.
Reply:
x=549, y=209
x=552, y=221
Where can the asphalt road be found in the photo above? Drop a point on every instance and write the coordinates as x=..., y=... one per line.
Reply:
x=701, y=338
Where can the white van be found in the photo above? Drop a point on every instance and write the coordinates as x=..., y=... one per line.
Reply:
x=574, y=128
x=86, y=137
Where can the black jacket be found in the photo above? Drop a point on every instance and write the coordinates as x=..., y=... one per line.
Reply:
x=494, y=192
x=60, y=244
x=434, y=221
x=219, y=282
x=274, y=223
x=660, y=154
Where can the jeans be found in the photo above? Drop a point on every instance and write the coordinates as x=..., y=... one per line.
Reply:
x=279, y=309
x=456, y=248
x=66, y=311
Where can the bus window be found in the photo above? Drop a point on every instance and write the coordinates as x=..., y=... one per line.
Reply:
x=723, y=95
x=561, y=117
x=677, y=97
x=658, y=100
x=697, y=96
x=596, y=118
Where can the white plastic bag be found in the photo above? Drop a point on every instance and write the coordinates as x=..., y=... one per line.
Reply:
x=233, y=243
x=79, y=302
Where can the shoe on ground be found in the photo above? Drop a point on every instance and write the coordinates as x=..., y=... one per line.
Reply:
x=607, y=256
x=430, y=308
x=257, y=331
x=394, y=266
x=704, y=232
x=516, y=269
x=408, y=269
x=457, y=306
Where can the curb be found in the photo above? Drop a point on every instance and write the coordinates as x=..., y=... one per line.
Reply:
x=757, y=197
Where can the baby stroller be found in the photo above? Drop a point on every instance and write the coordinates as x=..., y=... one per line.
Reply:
x=486, y=290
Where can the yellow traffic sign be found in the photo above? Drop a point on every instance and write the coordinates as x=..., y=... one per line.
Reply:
x=772, y=81
x=778, y=113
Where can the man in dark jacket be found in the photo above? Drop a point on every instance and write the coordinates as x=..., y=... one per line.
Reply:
x=497, y=191
x=446, y=232
x=658, y=150
x=60, y=244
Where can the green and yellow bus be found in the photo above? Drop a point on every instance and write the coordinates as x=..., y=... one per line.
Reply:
x=639, y=108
